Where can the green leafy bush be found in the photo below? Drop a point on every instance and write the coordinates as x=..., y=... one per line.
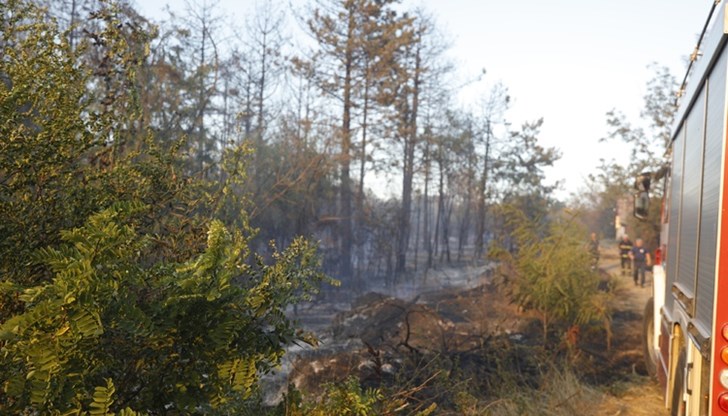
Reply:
x=348, y=398
x=172, y=337
x=549, y=271
x=124, y=283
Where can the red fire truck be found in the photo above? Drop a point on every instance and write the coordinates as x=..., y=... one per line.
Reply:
x=686, y=320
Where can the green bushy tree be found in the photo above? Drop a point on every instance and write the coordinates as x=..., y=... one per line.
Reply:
x=547, y=268
x=179, y=337
x=124, y=283
x=348, y=398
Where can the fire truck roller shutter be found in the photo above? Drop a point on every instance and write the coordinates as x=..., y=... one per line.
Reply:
x=676, y=183
x=691, y=192
x=714, y=127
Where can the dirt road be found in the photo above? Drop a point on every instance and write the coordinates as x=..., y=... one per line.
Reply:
x=632, y=393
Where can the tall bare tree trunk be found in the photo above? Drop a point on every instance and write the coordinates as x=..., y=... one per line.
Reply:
x=482, y=197
x=426, y=231
x=71, y=28
x=345, y=217
x=447, y=211
x=440, y=208
x=409, y=161
x=417, y=231
x=361, y=249
x=363, y=156
x=261, y=87
x=464, y=231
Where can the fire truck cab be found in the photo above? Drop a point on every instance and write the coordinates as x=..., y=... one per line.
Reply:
x=686, y=320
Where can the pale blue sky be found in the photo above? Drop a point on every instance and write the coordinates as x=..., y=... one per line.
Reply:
x=568, y=61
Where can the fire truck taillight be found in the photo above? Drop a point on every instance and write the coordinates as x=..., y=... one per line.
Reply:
x=723, y=398
x=723, y=402
x=724, y=378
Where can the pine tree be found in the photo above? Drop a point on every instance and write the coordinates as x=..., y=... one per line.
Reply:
x=344, y=31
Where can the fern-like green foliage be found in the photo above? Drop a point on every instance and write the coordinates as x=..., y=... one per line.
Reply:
x=550, y=271
x=103, y=398
x=190, y=336
x=111, y=299
x=349, y=398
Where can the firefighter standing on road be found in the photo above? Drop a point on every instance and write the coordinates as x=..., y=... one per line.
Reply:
x=594, y=250
x=624, y=248
x=641, y=259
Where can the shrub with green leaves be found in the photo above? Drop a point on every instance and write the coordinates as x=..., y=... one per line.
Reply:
x=168, y=337
x=550, y=272
x=125, y=285
x=348, y=398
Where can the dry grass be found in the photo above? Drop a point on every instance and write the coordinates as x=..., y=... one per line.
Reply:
x=563, y=394
x=640, y=399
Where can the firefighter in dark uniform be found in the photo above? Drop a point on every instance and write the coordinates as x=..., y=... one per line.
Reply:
x=641, y=259
x=625, y=245
x=594, y=250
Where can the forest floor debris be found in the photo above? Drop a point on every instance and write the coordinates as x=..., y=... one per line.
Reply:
x=469, y=338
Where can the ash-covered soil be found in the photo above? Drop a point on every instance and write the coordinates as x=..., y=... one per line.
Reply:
x=456, y=323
